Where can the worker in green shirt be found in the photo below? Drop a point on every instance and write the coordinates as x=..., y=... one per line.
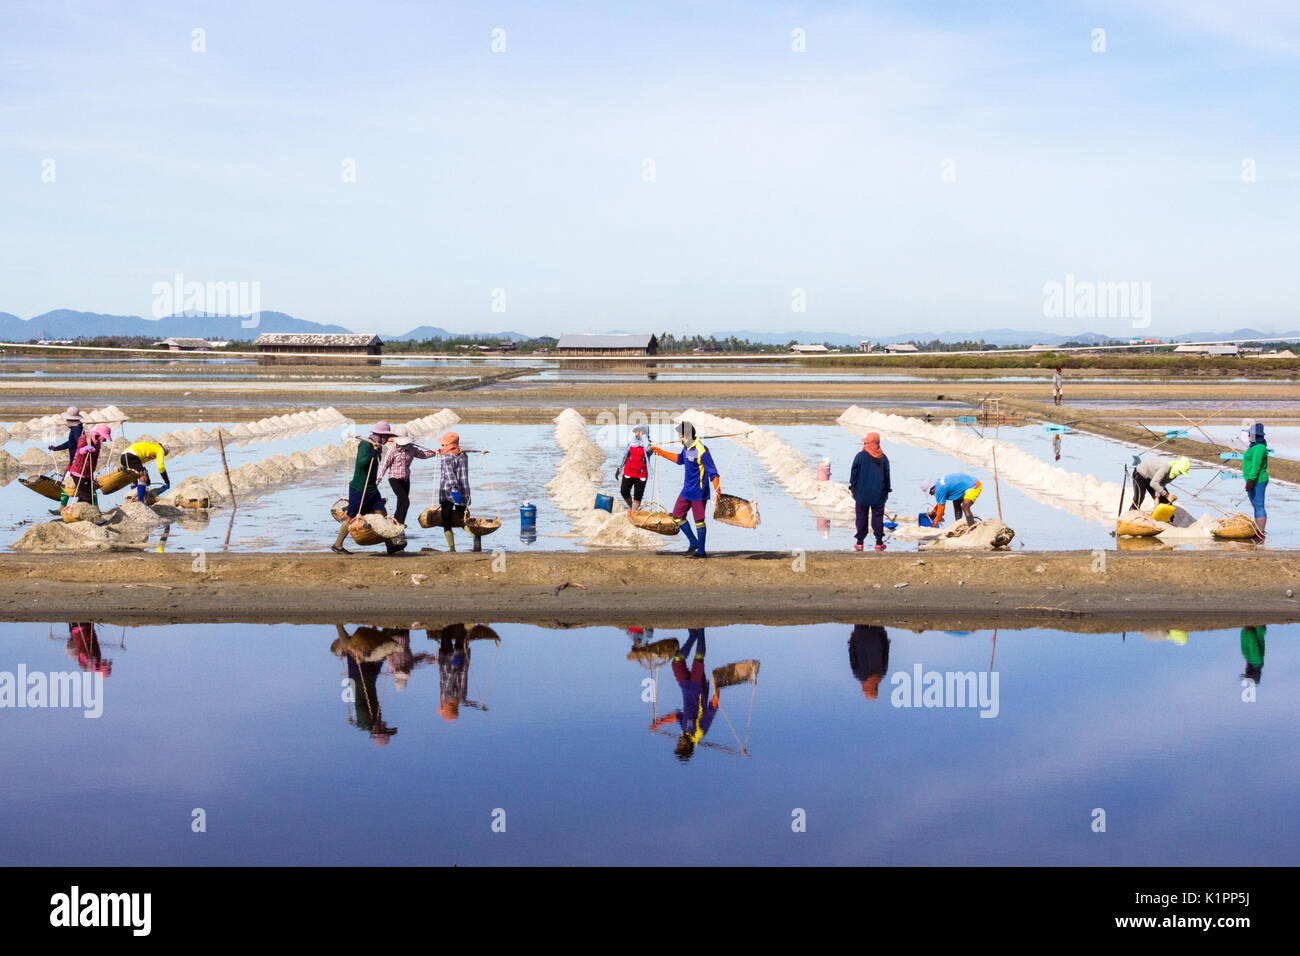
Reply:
x=1254, y=468
x=363, y=490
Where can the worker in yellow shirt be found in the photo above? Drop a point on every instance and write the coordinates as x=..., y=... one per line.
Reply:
x=137, y=456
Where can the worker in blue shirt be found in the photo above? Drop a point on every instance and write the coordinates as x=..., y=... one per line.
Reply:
x=699, y=473
x=962, y=490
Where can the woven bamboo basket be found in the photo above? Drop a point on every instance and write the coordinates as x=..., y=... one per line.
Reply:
x=1137, y=524
x=481, y=526
x=364, y=533
x=660, y=652
x=1236, y=527
x=115, y=480
x=741, y=672
x=196, y=503
x=79, y=511
x=658, y=521
x=432, y=518
x=339, y=510
x=43, y=485
x=729, y=509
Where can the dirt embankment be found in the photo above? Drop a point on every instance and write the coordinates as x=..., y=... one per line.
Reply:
x=1070, y=590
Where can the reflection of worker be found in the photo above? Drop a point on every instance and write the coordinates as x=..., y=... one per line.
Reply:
x=641, y=635
x=869, y=657
x=962, y=490
x=1254, y=468
x=1152, y=477
x=1252, y=649
x=695, y=717
x=83, y=646
x=453, y=665
x=1056, y=445
x=698, y=473
x=364, y=651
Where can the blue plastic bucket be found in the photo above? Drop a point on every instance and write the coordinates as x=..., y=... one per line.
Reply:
x=528, y=516
x=605, y=503
x=923, y=519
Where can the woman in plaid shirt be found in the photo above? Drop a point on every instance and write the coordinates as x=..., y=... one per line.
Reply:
x=396, y=464
x=453, y=486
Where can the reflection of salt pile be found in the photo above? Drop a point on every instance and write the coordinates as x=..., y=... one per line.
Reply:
x=576, y=483
x=825, y=499
x=279, y=470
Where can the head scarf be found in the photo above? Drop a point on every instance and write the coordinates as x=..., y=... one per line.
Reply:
x=871, y=445
x=450, y=442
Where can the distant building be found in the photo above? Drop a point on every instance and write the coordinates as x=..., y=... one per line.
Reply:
x=1208, y=351
x=183, y=344
x=1276, y=354
x=809, y=349
x=902, y=347
x=588, y=346
x=272, y=343
x=865, y=346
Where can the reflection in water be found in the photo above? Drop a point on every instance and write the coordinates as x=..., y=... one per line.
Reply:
x=1252, y=649
x=83, y=647
x=453, y=666
x=1056, y=446
x=699, y=706
x=869, y=657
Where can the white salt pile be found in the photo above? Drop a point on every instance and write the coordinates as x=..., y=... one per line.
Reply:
x=36, y=459
x=53, y=536
x=825, y=499
x=578, y=479
x=987, y=535
x=137, y=513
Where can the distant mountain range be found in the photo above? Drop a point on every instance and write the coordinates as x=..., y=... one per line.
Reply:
x=70, y=324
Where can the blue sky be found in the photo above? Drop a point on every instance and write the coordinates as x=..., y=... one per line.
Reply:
x=774, y=170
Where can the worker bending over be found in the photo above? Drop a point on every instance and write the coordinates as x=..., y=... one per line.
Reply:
x=137, y=456
x=962, y=490
x=1152, y=477
x=700, y=472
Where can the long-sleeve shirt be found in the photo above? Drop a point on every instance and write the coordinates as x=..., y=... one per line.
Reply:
x=396, y=461
x=146, y=450
x=1156, y=471
x=454, y=478
x=74, y=439
x=952, y=487
x=86, y=458
x=634, y=468
x=869, y=479
x=699, y=469
x=1254, y=464
x=363, y=474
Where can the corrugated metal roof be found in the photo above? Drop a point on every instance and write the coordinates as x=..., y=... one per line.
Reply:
x=187, y=343
x=632, y=341
x=307, y=339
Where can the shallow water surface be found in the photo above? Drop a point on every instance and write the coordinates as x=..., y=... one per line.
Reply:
x=412, y=751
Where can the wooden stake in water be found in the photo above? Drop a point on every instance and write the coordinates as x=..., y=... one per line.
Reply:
x=226, y=468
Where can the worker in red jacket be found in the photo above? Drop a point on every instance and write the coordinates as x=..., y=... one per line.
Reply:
x=634, y=469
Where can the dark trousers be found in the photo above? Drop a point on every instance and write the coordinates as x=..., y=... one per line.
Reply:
x=876, y=513
x=632, y=489
x=451, y=513
x=1142, y=488
x=402, y=491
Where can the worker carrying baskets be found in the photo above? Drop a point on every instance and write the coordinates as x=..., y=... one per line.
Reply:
x=699, y=474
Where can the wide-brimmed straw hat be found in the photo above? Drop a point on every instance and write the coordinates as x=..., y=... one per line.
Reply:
x=382, y=428
x=401, y=435
x=73, y=415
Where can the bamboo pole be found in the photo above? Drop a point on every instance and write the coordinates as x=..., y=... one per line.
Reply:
x=226, y=468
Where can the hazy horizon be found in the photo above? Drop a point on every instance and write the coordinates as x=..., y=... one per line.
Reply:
x=929, y=170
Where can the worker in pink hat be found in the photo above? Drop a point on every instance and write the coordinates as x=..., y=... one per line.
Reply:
x=86, y=460
x=453, y=485
x=71, y=418
x=363, y=490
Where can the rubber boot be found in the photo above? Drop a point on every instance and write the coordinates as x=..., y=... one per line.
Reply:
x=700, y=530
x=451, y=540
x=139, y=493
x=690, y=536
x=478, y=543
x=63, y=500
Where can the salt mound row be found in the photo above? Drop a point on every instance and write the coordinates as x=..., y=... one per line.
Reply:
x=37, y=426
x=825, y=499
x=575, y=485
x=279, y=470
x=1083, y=495
x=277, y=426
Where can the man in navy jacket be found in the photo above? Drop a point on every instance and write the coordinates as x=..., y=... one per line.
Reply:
x=869, y=482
